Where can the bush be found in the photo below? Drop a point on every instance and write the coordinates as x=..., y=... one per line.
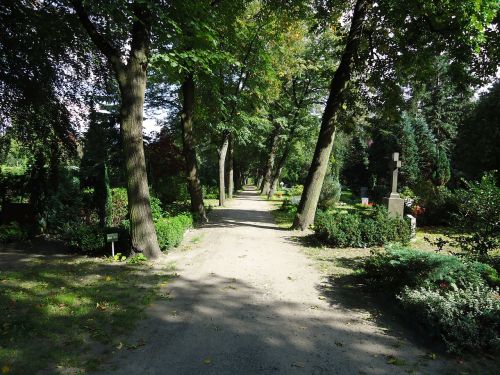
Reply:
x=479, y=215
x=449, y=294
x=338, y=229
x=296, y=190
x=119, y=206
x=467, y=318
x=330, y=193
x=398, y=267
x=344, y=229
x=156, y=210
x=438, y=203
x=170, y=231
x=12, y=233
x=84, y=237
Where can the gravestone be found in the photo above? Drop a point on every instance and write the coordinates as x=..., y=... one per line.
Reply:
x=364, y=201
x=413, y=225
x=394, y=203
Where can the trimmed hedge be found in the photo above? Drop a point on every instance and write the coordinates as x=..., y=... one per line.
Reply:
x=170, y=231
x=449, y=295
x=344, y=229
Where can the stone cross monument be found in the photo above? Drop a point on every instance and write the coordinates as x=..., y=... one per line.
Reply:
x=394, y=203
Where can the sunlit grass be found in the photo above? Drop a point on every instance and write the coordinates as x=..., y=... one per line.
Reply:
x=69, y=312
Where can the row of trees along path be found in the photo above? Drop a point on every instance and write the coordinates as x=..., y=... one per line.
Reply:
x=190, y=64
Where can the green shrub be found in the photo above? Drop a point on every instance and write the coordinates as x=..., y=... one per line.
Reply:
x=479, y=215
x=156, y=209
x=466, y=318
x=344, y=229
x=137, y=259
x=450, y=295
x=119, y=206
x=84, y=237
x=438, y=201
x=170, y=231
x=338, y=229
x=330, y=193
x=296, y=190
x=398, y=267
x=12, y=233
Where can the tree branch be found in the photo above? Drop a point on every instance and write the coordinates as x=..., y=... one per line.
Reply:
x=111, y=53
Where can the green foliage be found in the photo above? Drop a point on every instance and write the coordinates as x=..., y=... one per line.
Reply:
x=330, y=193
x=479, y=128
x=397, y=267
x=170, y=231
x=452, y=296
x=156, y=209
x=479, y=214
x=344, y=229
x=84, y=237
x=467, y=318
x=410, y=172
x=119, y=206
x=118, y=257
x=137, y=259
x=66, y=202
x=338, y=229
x=296, y=190
x=12, y=233
x=439, y=203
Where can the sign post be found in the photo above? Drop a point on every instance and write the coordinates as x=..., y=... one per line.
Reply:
x=112, y=237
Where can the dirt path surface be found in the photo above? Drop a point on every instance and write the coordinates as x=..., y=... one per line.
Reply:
x=247, y=301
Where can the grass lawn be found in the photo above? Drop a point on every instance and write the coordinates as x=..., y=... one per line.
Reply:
x=71, y=312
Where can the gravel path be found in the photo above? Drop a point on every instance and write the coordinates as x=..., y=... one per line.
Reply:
x=247, y=301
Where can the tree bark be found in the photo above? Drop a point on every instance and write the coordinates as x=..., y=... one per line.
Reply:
x=131, y=79
x=142, y=229
x=277, y=174
x=273, y=148
x=222, y=162
x=189, y=150
x=230, y=168
x=314, y=182
x=281, y=162
x=259, y=180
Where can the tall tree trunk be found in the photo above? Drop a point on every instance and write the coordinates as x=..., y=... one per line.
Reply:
x=268, y=170
x=230, y=168
x=259, y=180
x=133, y=88
x=314, y=182
x=274, y=180
x=222, y=162
x=131, y=77
x=189, y=150
x=281, y=162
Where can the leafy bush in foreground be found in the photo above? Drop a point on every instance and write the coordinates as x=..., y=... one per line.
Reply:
x=466, y=318
x=170, y=231
x=451, y=295
x=344, y=229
